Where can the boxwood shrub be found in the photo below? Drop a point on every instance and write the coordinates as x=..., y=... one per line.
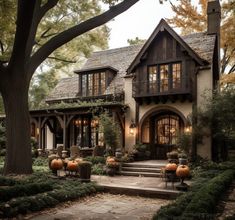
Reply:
x=18, y=190
x=62, y=191
x=200, y=202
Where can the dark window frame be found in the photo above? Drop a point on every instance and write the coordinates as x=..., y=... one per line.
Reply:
x=170, y=76
x=90, y=89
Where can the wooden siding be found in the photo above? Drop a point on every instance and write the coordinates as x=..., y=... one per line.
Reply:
x=164, y=50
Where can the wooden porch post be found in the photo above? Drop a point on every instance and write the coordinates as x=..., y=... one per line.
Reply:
x=64, y=132
x=40, y=133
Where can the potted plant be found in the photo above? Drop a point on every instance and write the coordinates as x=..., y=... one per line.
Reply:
x=184, y=143
x=173, y=156
x=112, y=166
x=183, y=158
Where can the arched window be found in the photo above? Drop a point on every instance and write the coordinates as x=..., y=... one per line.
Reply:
x=167, y=128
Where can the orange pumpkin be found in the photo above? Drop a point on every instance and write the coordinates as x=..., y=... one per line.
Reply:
x=171, y=166
x=56, y=164
x=182, y=171
x=72, y=166
x=110, y=160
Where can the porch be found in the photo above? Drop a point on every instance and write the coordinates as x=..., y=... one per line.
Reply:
x=73, y=125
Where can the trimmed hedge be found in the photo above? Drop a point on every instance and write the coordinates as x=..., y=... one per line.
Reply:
x=95, y=160
x=205, y=200
x=7, y=181
x=18, y=190
x=200, y=202
x=67, y=191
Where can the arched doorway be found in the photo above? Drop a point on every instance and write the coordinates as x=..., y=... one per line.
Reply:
x=160, y=130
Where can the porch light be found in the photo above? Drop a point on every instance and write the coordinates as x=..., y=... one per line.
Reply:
x=77, y=122
x=132, y=128
x=188, y=129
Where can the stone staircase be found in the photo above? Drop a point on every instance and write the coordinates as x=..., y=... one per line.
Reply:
x=145, y=169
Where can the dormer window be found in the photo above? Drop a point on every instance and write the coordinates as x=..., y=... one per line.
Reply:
x=94, y=82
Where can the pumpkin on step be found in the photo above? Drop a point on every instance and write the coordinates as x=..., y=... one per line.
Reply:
x=182, y=171
x=171, y=167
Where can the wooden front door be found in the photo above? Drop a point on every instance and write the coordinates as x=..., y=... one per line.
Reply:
x=163, y=134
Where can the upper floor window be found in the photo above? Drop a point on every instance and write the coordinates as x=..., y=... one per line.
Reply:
x=93, y=84
x=164, y=77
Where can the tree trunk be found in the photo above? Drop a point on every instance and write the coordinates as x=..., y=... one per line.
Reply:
x=15, y=95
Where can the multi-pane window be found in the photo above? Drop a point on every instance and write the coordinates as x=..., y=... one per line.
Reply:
x=167, y=128
x=164, y=77
x=152, y=79
x=90, y=84
x=176, y=76
x=84, y=85
x=93, y=84
x=102, y=83
x=96, y=84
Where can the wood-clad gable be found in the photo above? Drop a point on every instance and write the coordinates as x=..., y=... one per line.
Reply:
x=164, y=53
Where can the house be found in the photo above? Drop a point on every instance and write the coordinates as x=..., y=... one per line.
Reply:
x=150, y=89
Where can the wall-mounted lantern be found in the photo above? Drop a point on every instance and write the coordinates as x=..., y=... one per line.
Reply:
x=132, y=128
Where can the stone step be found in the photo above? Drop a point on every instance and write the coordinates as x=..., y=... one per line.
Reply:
x=141, y=169
x=143, y=165
x=138, y=191
x=145, y=174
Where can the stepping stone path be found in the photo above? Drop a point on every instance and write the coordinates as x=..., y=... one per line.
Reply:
x=104, y=207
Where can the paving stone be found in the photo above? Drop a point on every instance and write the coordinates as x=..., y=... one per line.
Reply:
x=105, y=207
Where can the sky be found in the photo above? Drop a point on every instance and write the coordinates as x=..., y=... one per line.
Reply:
x=139, y=21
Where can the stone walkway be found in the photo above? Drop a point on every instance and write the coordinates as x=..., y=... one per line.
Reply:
x=229, y=206
x=105, y=207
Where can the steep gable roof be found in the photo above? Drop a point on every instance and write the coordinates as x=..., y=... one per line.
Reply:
x=161, y=27
x=202, y=43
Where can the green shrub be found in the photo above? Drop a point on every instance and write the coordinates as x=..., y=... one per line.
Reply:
x=200, y=202
x=4, y=181
x=95, y=160
x=63, y=191
x=98, y=169
x=40, y=161
x=23, y=190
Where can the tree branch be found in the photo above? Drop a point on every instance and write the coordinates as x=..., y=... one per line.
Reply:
x=39, y=13
x=25, y=13
x=62, y=60
x=1, y=46
x=64, y=37
x=47, y=6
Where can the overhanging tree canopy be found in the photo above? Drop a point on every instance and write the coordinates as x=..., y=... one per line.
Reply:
x=17, y=71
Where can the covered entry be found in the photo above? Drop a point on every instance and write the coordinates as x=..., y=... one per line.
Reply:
x=160, y=130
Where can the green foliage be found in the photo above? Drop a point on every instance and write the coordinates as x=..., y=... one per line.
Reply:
x=40, y=161
x=184, y=142
x=62, y=191
x=111, y=131
x=200, y=202
x=218, y=113
x=135, y=41
x=95, y=160
x=4, y=181
x=23, y=190
x=98, y=169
